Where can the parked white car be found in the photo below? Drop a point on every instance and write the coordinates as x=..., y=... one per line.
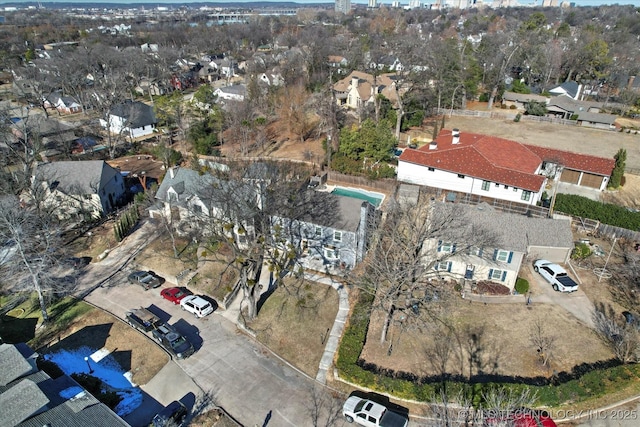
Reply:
x=371, y=414
x=196, y=305
x=556, y=275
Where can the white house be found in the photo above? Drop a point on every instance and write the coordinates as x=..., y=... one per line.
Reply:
x=131, y=118
x=359, y=89
x=231, y=93
x=518, y=238
x=80, y=188
x=63, y=104
x=498, y=168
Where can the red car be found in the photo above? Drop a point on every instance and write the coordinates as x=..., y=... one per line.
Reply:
x=174, y=295
x=522, y=418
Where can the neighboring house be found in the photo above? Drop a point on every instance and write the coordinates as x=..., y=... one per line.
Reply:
x=519, y=100
x=338, y=62
x=597, y=120
x=518, y=237
x=224, y=66
x=498, y=168
x=337, y=234
x=29, y=397
x=359, y=89
x=131, y=118
x=189, y=200
x=387, y=63
x=62, y=104
x=81, y=188
x=151, y=87
x=565, y=107
x=571, y=89
x=271, y=79
x=231, y=93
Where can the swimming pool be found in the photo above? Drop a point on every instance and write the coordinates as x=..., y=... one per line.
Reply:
x=374, y=198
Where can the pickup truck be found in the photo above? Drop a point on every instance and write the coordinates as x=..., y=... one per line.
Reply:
x=142, y=319
x=176, y=344
x=556, y=275
x=371, y=414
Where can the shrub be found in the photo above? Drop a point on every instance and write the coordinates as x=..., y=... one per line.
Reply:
x=603, y=212
x=513, y=107
x=580, y=251
x=517, y=117
x=492, y=288
x=94, y=386
x=522, y=285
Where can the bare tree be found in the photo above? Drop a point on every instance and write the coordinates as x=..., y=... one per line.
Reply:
x=403, y=269
x=622, y=338
x=324, y=407
x=542, y=340
x=37, y=251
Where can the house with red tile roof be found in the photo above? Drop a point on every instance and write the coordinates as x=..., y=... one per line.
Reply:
x=498, y=168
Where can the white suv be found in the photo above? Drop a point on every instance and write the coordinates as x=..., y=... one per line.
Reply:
x=199, y=306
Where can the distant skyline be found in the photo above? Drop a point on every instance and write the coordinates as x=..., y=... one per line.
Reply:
x=164, y=2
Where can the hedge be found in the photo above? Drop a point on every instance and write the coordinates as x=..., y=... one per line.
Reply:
x=585, y=381
x=606, y=213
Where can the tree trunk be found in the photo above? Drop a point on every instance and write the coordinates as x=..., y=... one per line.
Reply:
x=43, y=304
x=494, y=93
x=387, y=324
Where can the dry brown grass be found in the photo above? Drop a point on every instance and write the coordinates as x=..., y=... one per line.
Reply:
x=295, y=322
x=131, y=349
x=505, y=331
x=160, y=258
x=95, y=241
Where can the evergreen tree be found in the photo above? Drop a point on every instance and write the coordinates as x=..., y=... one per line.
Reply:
x=618, y=170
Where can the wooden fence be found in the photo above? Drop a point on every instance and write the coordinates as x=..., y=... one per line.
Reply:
x=388, y=185
x=505, y=115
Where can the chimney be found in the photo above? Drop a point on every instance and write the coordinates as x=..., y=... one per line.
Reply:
x=354, y=82
x=172, y=172
x=433, y=145
x=631, y=80
x=455, y=133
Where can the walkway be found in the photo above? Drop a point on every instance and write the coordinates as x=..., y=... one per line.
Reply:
x=232, y=313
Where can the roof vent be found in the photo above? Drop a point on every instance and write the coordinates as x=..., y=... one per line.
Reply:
x=455, y=136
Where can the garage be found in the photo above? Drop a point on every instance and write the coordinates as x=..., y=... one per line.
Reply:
x=591, y=180
x=559, y=255
x=570, y=176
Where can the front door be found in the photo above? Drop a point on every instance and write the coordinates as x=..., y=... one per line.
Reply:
x=469, y=272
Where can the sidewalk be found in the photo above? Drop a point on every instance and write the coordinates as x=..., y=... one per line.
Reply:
x=232, y=313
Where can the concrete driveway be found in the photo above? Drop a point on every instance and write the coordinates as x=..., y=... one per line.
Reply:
x=577, y=303
x=237, y=373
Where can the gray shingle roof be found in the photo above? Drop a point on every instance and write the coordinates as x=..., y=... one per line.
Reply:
x=81, y=177
x=597, y=118
x=136, y=113
x=14, y=365
x=20, y=402
x=518, y=232
x=569, y=104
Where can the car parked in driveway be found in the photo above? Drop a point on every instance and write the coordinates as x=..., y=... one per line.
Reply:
x=175, y=295
x=173, y=414
x=173, y=341
x=196, y=305
x=556, y=275
x=142, y=319
x=146, y=279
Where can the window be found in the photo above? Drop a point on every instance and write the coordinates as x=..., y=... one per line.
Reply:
x=497, y=185
x=506, y=187
x=495, y=274
x=446, y=247
x=515, y=189
x=502, y=255
x=304, y=246
x=460, y=176
x=474, y=250
x=526, y=195
x=485, y=185
x=431, y=169
x=318, y=232
x=330, y=252
x=442, y=266
x=197, y=209
x=337, y=236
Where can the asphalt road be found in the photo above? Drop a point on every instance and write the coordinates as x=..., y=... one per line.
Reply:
x=234, y=371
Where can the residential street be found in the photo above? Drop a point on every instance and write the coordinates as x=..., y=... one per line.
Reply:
x=237, y=373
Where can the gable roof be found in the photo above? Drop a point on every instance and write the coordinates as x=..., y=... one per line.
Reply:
x=576, y=161
x=137, y=114
x=570, y=88
x=608, y=119
x=81, y=177
x=524, y=97
x=233, y=89
x=14, y=364
x=516, y=232
x=333, y=211
x=384, y=84
x=500, y=160
x=568, y=104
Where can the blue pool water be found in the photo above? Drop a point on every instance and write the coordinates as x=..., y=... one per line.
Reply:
x=374, y=198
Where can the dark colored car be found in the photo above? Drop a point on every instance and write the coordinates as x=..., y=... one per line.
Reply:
x=174, y=295
x=173, y=341
x=172, y=415
x=145, y=279
x=143, y=319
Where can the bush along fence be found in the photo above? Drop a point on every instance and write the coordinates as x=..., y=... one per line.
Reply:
x=584, y=382
x=126, y=222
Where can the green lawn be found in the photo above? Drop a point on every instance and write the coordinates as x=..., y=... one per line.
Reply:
x=21, y=324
